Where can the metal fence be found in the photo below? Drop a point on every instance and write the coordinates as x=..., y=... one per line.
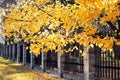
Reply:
x=15, y=51
x=73, y=64
x=107, y=66
x=51, y=61
x=28, y=54
x=21, y=53
x=38, y=60
x=73, y=60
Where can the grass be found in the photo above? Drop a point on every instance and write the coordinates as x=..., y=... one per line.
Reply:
x=15, y=71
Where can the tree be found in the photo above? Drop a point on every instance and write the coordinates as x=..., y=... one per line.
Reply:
x=55, y=24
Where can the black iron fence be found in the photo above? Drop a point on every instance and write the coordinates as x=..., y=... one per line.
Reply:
x=15, y=51
x=38, y=60
x=28, y=54
x=73, y=64
x=51, y=61
x=21, y=53
x=107, y=66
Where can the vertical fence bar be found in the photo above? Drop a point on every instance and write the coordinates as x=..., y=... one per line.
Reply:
x=108, y=70
x=112, y=63
x=13, y=52
x=100, y=64
x=81, y=67
x=5, y=50
x=96, y=64
x=115, y=69
x=103, y=64
x=118, y=72
x=9, y=51
x=24, y=53
x=109, y=65
x=18, y=52
x=99, y=58
x=106, y=61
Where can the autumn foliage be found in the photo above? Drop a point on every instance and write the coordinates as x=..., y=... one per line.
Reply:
x=51, y=25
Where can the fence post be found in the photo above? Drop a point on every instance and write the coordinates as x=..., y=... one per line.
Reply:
x=43, y=61
x=24, y=54
x=9, y=51
x=2, y=51
x=18, y=52
x=32, y=61
x=43, y=57
x=89, y=62
x=60, y=68
x=13, y=52
x=6, y=51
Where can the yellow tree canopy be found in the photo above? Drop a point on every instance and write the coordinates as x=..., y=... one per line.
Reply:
x=55, y=24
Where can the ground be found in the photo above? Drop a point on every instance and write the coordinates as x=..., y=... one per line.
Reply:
x=14, y=71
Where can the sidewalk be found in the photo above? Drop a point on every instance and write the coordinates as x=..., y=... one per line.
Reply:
x=15, y=71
